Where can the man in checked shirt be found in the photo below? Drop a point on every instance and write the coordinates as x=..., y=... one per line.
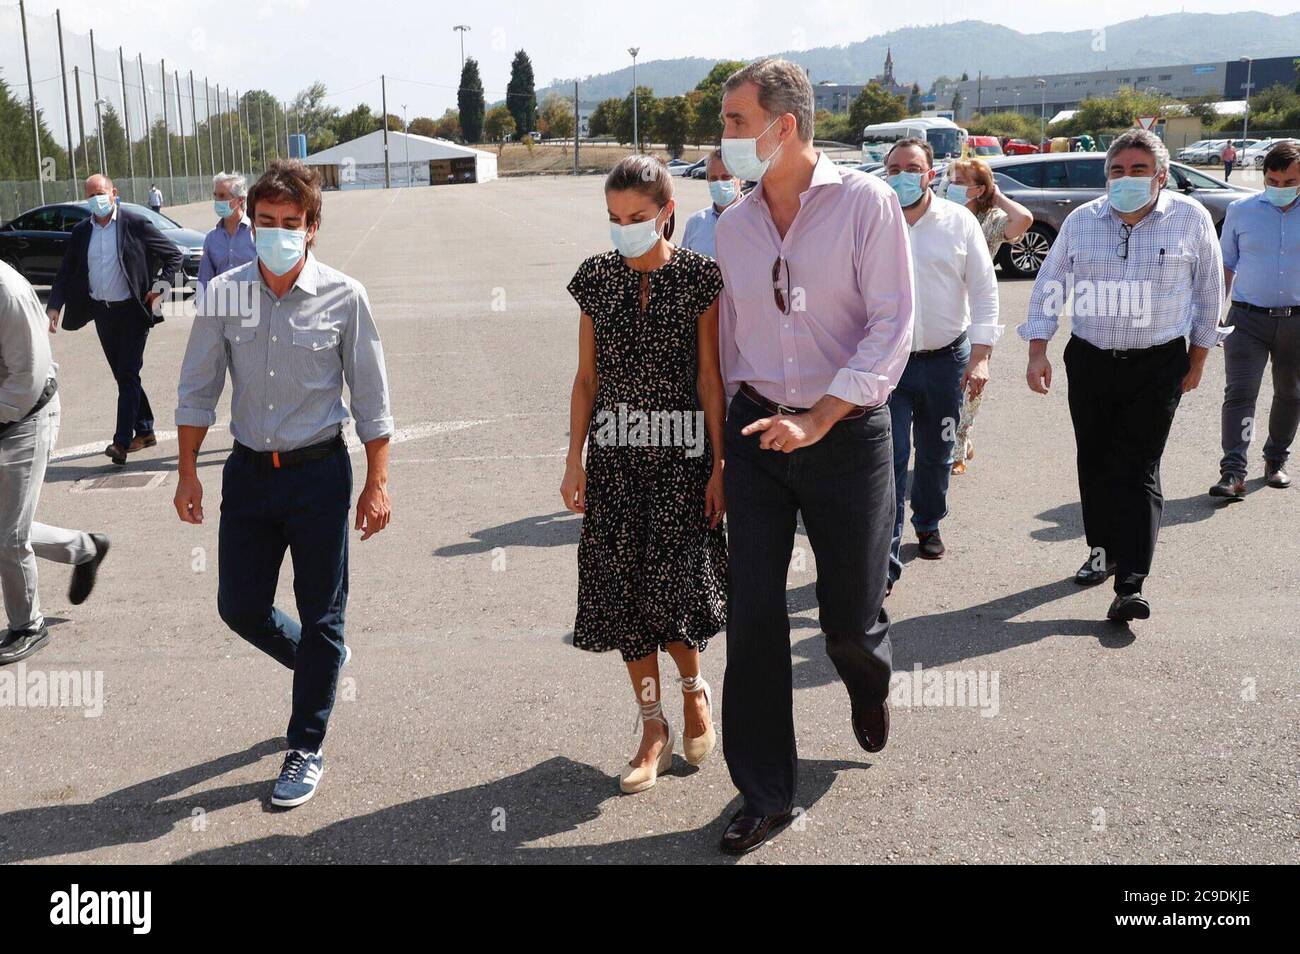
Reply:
x=1142, y=270
x=290, y=331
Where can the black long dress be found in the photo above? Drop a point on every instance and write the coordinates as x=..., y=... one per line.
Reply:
x=650, y=569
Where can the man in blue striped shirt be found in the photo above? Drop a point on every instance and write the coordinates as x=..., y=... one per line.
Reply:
x=1261, y=268
x=230, y=243
x=291, y=331
x=1141, y=271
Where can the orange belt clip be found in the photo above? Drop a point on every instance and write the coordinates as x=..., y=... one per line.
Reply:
x=275, y=459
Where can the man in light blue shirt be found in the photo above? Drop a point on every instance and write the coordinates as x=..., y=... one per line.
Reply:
x=1261, y=267
x=230, y=243
x=724, y=189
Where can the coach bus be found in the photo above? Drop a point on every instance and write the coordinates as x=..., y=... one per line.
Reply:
x=943, y=135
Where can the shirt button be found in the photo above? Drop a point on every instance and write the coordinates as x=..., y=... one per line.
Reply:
x=270, y=407
x=272, y=374
x=789, y=360
x=268, y=440
x=273, y=338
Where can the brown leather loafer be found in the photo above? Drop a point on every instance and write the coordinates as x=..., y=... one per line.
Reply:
x=1276, y=476
x=931, y=545
x=1229, y=487
x=141, y=442
x=116, y=453
x=870, y=724
x=746, y=832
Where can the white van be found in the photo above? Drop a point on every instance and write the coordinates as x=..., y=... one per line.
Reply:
x=945, y=137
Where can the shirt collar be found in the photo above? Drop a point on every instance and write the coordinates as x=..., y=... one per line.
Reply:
x=244, y=223
x=824, y=173
x=112, y=218
x=309, y=278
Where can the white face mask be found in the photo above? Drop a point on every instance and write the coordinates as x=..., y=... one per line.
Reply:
x=633, y=241
x=740, y=156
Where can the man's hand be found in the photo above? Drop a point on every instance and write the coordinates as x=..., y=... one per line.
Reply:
x=53, y=315
x=149, y=300
x=189, y=499
x=1039, y=373
x=977, y=370
x=1196, y=357
x=786, y=432
x=373, y=510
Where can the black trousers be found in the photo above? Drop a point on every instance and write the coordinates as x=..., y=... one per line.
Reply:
x=844, y=488
x=123, y=333
x=1122, y=406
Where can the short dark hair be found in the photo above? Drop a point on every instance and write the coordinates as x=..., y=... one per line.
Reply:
x=289, y=180
x=1281, y=156
x=921, y=144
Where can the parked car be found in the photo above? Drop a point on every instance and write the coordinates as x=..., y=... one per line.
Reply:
x=1053, y=185
x=984, y=146
x=33, y=243
x=1185, y=154
x=678, y=167
x=1018, y=147
x=1253, y=157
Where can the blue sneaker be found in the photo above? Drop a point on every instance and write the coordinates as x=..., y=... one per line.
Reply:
x=299, y=777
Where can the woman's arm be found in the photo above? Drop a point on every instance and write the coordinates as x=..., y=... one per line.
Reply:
x=1018, y=217
x=583, y=399
x=713, y=402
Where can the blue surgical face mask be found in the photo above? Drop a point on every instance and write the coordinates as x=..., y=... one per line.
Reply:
x=723, y=191
x=279, y=249
x=1130, y=193
x=908, y=186
x=223, y=207
x=633, y=241
x=740, y=156
x=1281, y=195
x=101, y=204
x=958, y=193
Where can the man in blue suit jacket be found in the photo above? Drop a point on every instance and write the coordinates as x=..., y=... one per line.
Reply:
x=112, y=274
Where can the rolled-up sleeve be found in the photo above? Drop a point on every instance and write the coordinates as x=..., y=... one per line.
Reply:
x=1207, y=285
x=981, y=287
x=24, y=347
x=887, y=284
x=1047, y=299
x=364, y=371
x=203, y=372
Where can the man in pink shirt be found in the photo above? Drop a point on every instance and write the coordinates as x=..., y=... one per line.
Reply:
x=815, y=329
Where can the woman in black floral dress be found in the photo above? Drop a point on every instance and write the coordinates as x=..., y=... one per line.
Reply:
x=648, y=402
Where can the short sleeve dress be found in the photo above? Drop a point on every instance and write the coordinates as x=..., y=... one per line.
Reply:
x=650, y=569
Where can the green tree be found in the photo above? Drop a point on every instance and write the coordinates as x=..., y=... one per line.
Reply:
x=555, y=118
x=672, y=123
x=355, y=124
x=706, y=102
x=469, y=102
x=1012, y=124
x=718, y=75
x=315, y=118
x=498, y=124
x=646, y=108
x=448, y=126
x=424, y=126
x=521, y=96
x=874, y=105
x=604, y=118
x=914, y=100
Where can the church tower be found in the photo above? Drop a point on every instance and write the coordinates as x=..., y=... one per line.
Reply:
x=888, y=78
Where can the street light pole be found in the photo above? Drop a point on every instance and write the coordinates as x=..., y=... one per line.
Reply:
x=461, y=28
x=636, y=139
x=1042, y=112
x=1245, y=121
x=406, y=134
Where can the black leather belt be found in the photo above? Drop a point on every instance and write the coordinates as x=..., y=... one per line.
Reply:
x=47, y=395
x=290, y=458
x=955, y=343
x=771, y=407
x=1286, y=311
x=1169, y=345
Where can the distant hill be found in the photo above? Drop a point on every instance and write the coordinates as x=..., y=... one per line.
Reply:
x=923, y=53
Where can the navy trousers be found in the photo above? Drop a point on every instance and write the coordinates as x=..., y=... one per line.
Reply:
x=842, y=486
x=304, y=509
x=123, y=334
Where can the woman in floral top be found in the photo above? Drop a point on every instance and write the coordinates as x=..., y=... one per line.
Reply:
x=1003, y=220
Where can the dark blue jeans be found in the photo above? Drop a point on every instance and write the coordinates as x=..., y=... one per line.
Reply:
x=123, y=334
x=304, y=509
x=925, y=408
x=841, y=486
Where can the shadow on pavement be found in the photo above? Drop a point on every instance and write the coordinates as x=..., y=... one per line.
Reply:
x=558, y=529
x=551, y=798
x=1067, y=519
x=134, y=815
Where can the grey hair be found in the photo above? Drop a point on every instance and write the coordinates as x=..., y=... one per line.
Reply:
x=1142, y=139
x=236, y=183
x=783, y=87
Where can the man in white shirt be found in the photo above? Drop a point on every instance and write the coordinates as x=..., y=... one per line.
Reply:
x=724, y=190
x=955, y=329
x=155, y=198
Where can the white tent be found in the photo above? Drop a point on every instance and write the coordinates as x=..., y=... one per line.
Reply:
x=359, y=164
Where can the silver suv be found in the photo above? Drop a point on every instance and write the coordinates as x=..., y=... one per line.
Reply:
x=1052, y=185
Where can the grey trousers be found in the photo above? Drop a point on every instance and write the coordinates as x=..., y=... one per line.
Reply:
x=1255, y=340
x=24, y=452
